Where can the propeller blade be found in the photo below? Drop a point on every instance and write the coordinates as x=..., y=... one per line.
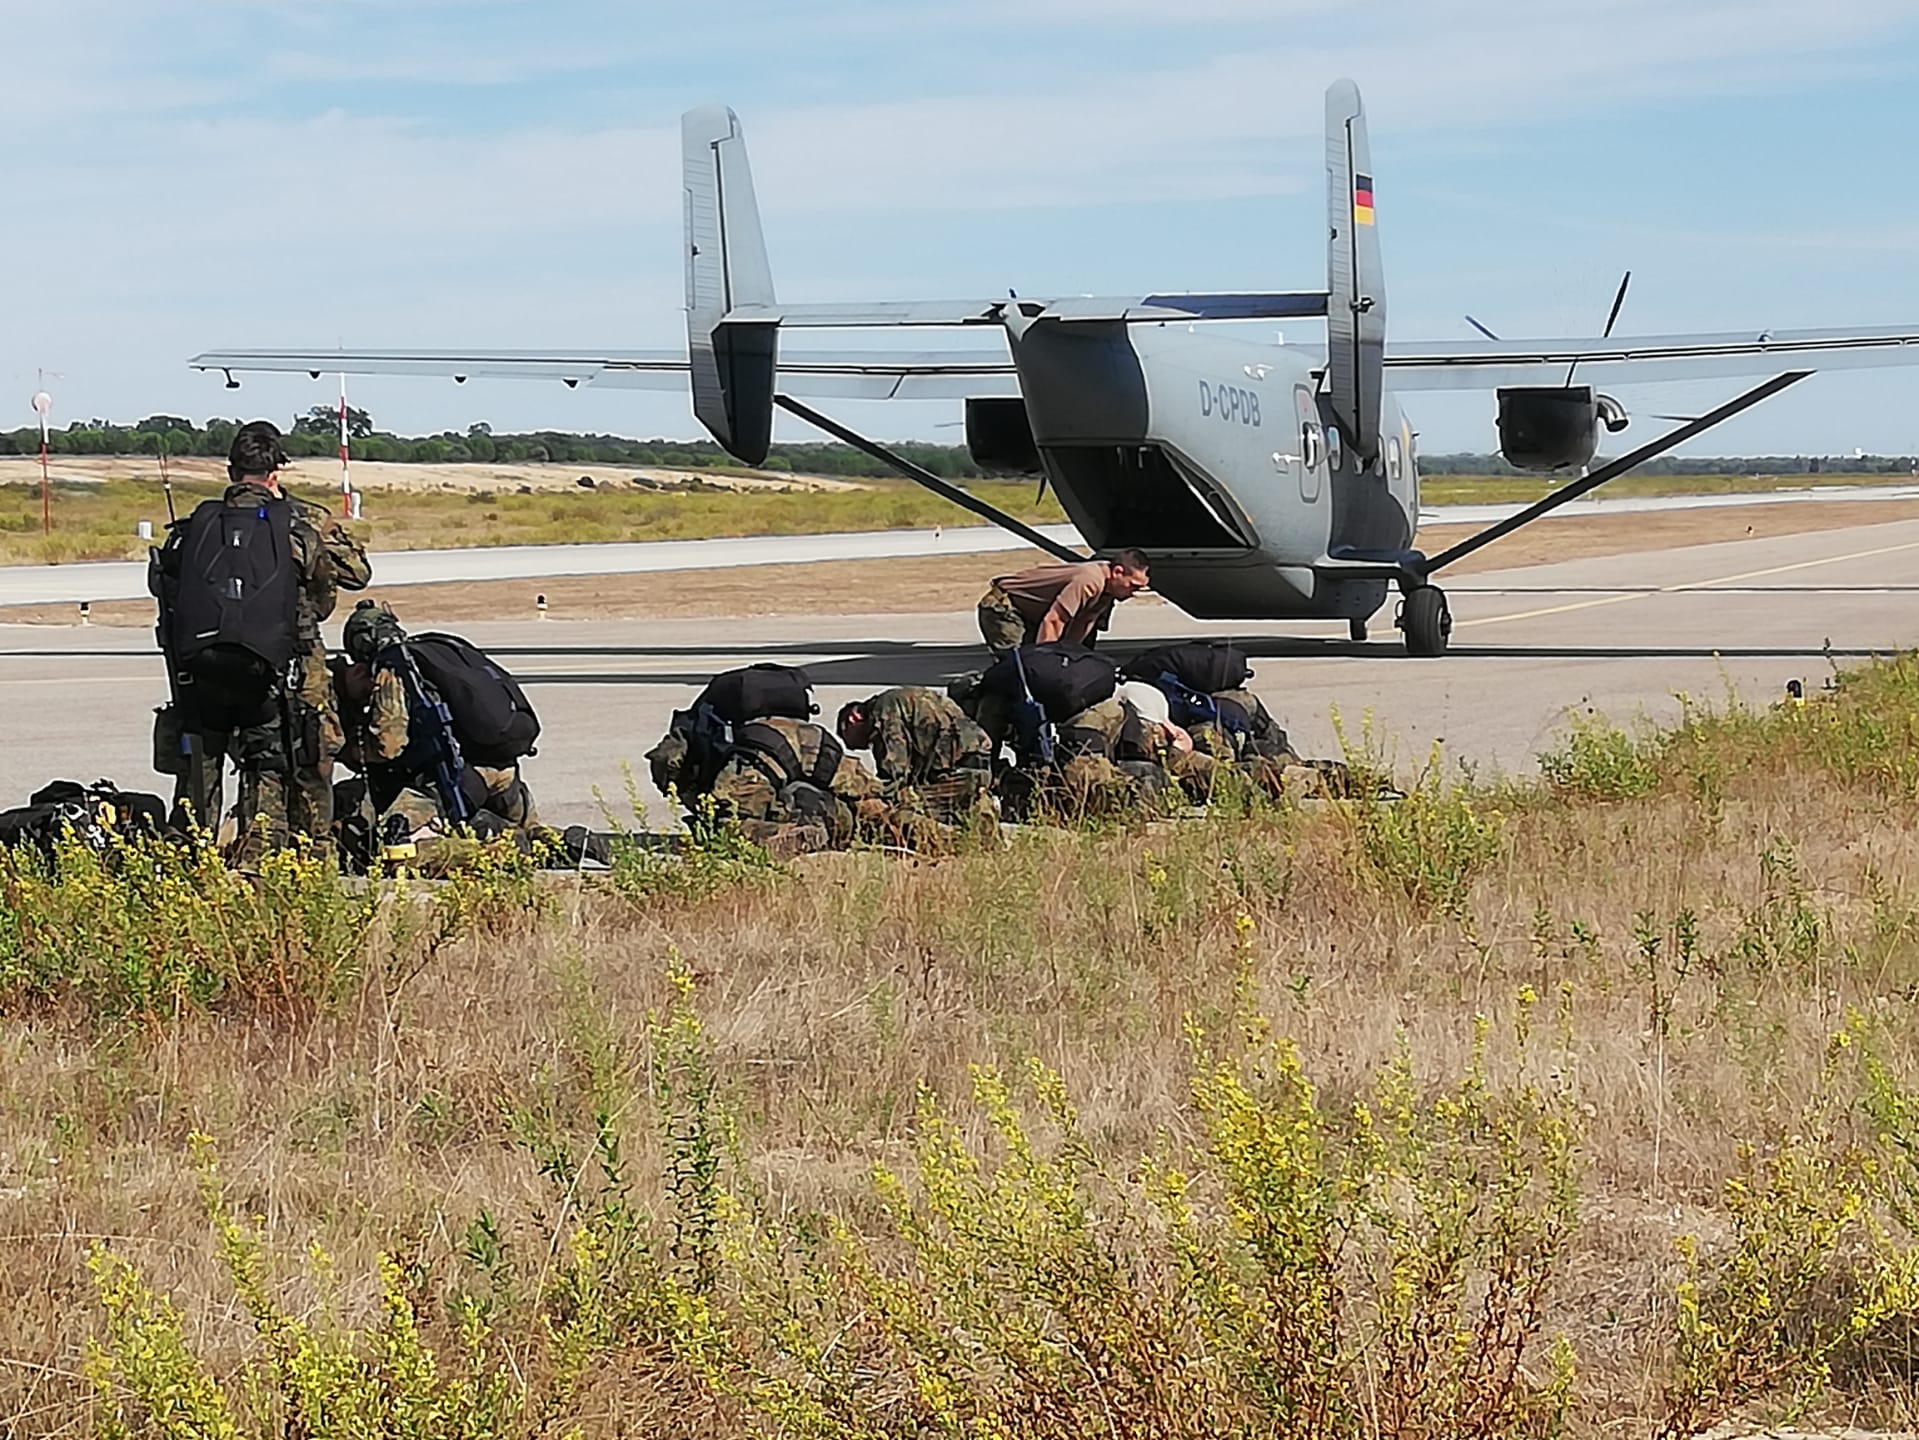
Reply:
x=1617, y=301
x=1611, y=320
x=1481, y=328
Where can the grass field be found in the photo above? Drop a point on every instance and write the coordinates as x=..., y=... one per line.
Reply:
x=96, y=521
x=1585, y=1106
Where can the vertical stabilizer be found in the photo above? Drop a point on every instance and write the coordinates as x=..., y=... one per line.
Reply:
x=733, y=360
x=1355, y=283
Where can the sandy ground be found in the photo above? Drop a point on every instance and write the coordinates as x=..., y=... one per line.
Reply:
x=947, y=583
x=316, y=477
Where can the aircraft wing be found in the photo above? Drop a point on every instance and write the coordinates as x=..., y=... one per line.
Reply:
x=1622, y=360
x=860, y=375
x=1197, y=305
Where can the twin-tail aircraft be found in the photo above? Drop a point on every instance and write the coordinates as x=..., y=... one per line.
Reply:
x=1265, y=480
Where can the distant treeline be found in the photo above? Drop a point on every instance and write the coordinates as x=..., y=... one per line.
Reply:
x=317, y=434
x=1695, y=465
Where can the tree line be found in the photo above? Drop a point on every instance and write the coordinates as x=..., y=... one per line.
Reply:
x=316, y=434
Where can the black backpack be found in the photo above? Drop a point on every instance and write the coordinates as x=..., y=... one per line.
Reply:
x=1064, y=679
x=1205, y=665
x=492, y=718
x=758, y=692
x=93, y=812
x=229, y=587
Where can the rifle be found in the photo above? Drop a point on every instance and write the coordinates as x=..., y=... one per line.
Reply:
x=1035, y=731
x=448, y=763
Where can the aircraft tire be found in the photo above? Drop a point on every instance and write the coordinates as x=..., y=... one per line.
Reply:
x=1357, y=629
x=1427, y=620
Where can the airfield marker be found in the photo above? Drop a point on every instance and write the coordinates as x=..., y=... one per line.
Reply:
x=346, y=482
x=42, y=406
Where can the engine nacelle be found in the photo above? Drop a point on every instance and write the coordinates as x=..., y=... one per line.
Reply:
x=999, y=436
x=1548, y=428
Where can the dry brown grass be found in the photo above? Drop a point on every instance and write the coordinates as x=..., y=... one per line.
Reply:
x=835, y=992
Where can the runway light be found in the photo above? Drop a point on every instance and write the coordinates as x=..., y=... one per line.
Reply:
x=539, y=603
x=86, y=613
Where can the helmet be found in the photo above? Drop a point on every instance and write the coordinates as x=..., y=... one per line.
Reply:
x=370, y=629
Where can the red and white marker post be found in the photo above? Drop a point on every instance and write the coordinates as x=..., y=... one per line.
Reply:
x=346, y=479
x=43, y=406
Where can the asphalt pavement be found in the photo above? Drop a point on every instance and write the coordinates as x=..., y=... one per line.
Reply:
x=1621, y=635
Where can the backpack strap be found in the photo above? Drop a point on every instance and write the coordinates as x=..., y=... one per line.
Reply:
x=767, y=750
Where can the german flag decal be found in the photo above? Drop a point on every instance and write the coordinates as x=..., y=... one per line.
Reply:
x=1362, y=199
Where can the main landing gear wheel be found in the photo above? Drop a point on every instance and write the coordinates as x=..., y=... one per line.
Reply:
x=1356, y=628
x=1427, y=620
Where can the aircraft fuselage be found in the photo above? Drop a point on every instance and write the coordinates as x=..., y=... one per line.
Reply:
x=1220, y=458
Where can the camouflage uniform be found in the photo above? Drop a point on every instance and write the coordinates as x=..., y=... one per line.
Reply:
x=933, y=760
x=274, y=806
x=746, y=792
x=376, y=737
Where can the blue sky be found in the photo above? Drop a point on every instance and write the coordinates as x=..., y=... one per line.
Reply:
x=197, y=173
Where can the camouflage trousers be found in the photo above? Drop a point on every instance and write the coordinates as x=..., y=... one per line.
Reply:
x=1000, y=625
x=285, y=769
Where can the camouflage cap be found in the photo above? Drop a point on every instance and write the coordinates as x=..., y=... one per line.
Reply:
x=371, y=628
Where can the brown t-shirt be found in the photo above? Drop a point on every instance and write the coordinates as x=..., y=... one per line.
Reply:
x=1068, y=599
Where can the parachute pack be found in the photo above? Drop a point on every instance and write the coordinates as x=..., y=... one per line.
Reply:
x=757, y=692
x=1062, y=678
x=228, y=584
x=493, y=720
x=1207, y=666
x=715, y=727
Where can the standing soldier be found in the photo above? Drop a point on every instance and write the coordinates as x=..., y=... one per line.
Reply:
x=1058, y=602
x=244, y=584
x=932, y=759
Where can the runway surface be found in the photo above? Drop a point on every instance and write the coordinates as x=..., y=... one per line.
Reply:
x=102, y=581
x=1620, y=635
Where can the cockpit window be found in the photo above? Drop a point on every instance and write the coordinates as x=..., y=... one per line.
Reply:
x=1312, y=446
x=1395, y=459
x=1335, y=448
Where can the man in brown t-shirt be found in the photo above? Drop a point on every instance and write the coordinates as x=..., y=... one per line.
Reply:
x=1058, y=602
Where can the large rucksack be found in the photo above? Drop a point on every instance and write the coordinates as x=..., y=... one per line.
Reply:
x=758, y=692
x=228, y=584
x=1204, y=665
x=492, y=718
x=1064, y=679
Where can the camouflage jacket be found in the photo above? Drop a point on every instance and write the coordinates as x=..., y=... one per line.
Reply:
x=920, y=737
x=330, y=560
x=751, y=793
